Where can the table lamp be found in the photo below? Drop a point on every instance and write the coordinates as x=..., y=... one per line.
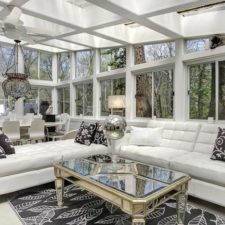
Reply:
x=116, y=102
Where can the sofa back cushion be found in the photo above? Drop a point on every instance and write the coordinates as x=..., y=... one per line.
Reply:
x=178, y=135
x=206, y=138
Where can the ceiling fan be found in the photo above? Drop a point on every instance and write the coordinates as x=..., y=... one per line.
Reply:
x=13, y=27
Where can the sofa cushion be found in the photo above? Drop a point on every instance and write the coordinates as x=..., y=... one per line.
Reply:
x=199, y=166
x=86, y=133
x=206, y=138
x=42, y=155
x=159, y=156
x=99, y=137
x=145, y=136
x=178, y=135
x=219, y=147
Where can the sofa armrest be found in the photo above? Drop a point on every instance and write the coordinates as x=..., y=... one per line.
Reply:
x=70, y=135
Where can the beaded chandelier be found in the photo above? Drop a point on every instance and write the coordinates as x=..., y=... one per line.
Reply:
x=16, y=84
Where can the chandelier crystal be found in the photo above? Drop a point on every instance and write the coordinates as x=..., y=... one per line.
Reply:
x=16, y=85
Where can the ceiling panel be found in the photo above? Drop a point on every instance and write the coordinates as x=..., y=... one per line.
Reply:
x=91, y=40
x=64, y=45
x=45, y=48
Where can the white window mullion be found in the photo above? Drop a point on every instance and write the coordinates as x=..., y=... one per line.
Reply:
x=153, y=96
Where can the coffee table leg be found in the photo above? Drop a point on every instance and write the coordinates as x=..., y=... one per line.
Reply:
x=59, y=186
x=181, y=208
x=138, y=221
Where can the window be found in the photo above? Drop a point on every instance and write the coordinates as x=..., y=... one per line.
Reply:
x=6, y=63
x=196, y=45
x=112, y=58
x=202, y=91
x=64, y=100
x=154, y=94
x=110, y=87
x=31, y=63
x=3, y=102
x=38, y=64
x=84, y=63
x=84, y=99
x=147, y=53
x=221, y=101
x=45, y=72
x=64, y=66
x=37, y=100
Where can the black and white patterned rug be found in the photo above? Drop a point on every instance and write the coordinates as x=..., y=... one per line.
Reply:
x=38, y=206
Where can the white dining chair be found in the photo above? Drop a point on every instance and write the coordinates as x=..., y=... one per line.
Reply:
x=12, y=130
x=37, y=130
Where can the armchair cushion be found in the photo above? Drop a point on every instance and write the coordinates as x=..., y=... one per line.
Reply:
x=99, y=137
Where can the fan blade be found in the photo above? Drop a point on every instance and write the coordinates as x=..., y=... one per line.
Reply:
x=13, y=17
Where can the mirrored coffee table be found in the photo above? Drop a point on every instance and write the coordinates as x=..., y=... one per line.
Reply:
x=137, y=188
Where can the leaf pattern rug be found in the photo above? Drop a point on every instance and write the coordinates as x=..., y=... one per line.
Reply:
x=38, y=206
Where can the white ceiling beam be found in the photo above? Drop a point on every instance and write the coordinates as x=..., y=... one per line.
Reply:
x=134, y=17
x=108, y=37
x=75, y=42
x=181, y=6
x=18, y=3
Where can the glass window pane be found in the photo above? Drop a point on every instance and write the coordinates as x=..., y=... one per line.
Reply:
x=202, y=91
x=45, y=66
x=88, y=99
x=64, y=100
x=64, y=66
x=79, y=100
x=144, y=95
x=112, y=58
x=6, y=59
x=147, y=53
x=163, y=94
x=84, y=63
x=31, y=101
x=60, y=100
x=221, y=90
x=111, y=87
x=31, y=63
x=196, y=45
x=67, y=100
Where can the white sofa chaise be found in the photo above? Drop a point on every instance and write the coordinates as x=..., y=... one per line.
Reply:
x=186, y=147
x=32, y=163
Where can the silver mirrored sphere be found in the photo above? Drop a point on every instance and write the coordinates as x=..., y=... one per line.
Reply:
x=114, y=127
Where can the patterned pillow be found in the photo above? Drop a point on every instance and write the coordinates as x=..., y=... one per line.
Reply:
x=6, y=144
x=86, y=133
x=2, y=153
x=219, y=146
x=99, y=137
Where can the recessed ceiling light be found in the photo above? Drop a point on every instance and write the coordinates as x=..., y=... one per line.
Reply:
x=79, y=3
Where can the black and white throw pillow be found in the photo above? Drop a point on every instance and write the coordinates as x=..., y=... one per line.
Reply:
x=6, y=144
x=99, y=137
x=2, y=153
x=86, y=133
x=219, y=146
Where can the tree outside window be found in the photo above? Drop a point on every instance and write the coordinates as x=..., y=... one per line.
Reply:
x=84, y=63
x=196, y=45
x=153, y=52
x=112, y=58
x=64, y=66
x=154, y=94
x=84, y=99
x=45, y=71
x=202, y=91
x=64, y=100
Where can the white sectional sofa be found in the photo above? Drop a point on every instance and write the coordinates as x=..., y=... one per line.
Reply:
x=185, y=147
x=32, y=163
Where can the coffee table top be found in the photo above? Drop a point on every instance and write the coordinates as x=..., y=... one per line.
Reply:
x=133, y=178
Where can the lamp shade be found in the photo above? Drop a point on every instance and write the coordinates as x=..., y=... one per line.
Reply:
x=116, y=101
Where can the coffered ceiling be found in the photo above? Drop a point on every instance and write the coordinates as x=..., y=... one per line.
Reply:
x=79, y=24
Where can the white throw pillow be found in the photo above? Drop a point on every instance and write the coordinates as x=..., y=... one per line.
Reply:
x=145, y=136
